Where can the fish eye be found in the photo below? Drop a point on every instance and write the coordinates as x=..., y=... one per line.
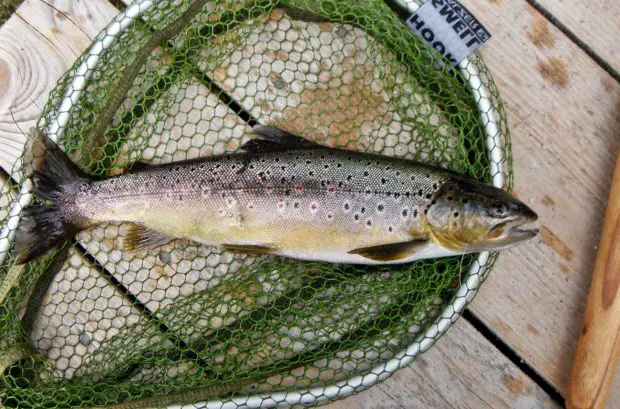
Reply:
x=498, y=210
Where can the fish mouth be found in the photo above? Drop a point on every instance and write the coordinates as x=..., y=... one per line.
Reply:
x=511, y=233
x=520, y=230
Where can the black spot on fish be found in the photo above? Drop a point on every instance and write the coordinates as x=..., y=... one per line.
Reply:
x=407, y=194
x=356, y=216
x=311, y=173
x=308, y=162
x=366, y=173
x=390, y=229
x=405, y=212
x=368, y=222
x=178, y=181
x=283, y=167
x=283, y=180
x=287, y=192
x=428, y=195
x=339, y=165
x=296, y=205
x=456, y=214
x=435, y=186
x=415, y=213
x=383, y=181
x=340, y=184
x=326, y=166
x=363, y=209
x=396, y=195
x=380, y=208
x=420, y=193
x=192, y=169
x=387, y=168
x=349, y=177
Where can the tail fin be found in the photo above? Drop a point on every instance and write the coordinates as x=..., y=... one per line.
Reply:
x=52, y=168
x=44, y=226
x=41, y=228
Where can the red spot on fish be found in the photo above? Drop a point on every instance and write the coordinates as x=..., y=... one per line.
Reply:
x=313, y=206
x=298, y=188
x=331, y=189
x=205, y=192
x=193, y=186
x=269, y=188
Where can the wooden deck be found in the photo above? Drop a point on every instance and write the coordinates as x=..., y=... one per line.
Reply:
x=557, y=66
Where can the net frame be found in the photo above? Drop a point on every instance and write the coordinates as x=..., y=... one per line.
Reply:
x=483, y=97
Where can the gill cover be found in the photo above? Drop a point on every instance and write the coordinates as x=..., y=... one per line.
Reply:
x=468, y=216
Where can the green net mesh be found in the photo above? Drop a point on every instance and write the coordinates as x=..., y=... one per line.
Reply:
x=89, y=325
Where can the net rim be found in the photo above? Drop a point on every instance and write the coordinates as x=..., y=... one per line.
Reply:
x=470, y=68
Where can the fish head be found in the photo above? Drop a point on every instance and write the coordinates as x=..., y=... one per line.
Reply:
x=468, y=216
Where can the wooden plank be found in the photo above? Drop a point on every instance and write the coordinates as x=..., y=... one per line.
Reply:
x=595, y=22
x=463, y=370
x=37, y=45
x=562, y=108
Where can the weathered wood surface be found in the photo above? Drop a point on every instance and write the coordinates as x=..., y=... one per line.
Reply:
x=563, y=112
x=462, y=370
x=595, y=22
x=564, y=115
x=37, y=45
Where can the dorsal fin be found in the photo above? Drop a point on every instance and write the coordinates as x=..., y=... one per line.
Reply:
x=276, y=139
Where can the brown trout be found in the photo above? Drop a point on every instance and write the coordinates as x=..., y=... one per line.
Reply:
x=285, y=196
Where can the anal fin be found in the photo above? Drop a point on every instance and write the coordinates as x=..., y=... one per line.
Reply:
x=391, y=251
x=141, y=238
x=248, y=248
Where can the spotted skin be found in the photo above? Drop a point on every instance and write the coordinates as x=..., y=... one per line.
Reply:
x=316, y=204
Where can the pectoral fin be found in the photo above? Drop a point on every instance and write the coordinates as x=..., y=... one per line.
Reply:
x=248, y=248
x=447, y=241
x=141, y=238
x=392, y=251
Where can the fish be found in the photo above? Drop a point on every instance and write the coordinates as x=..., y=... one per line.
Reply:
x=283, y=195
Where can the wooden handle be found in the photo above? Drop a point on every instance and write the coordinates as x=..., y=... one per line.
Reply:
x=599, y=344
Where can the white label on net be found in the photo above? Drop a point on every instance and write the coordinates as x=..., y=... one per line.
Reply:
x=449, y=28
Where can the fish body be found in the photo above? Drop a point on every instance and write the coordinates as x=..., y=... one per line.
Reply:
x=284, y=196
